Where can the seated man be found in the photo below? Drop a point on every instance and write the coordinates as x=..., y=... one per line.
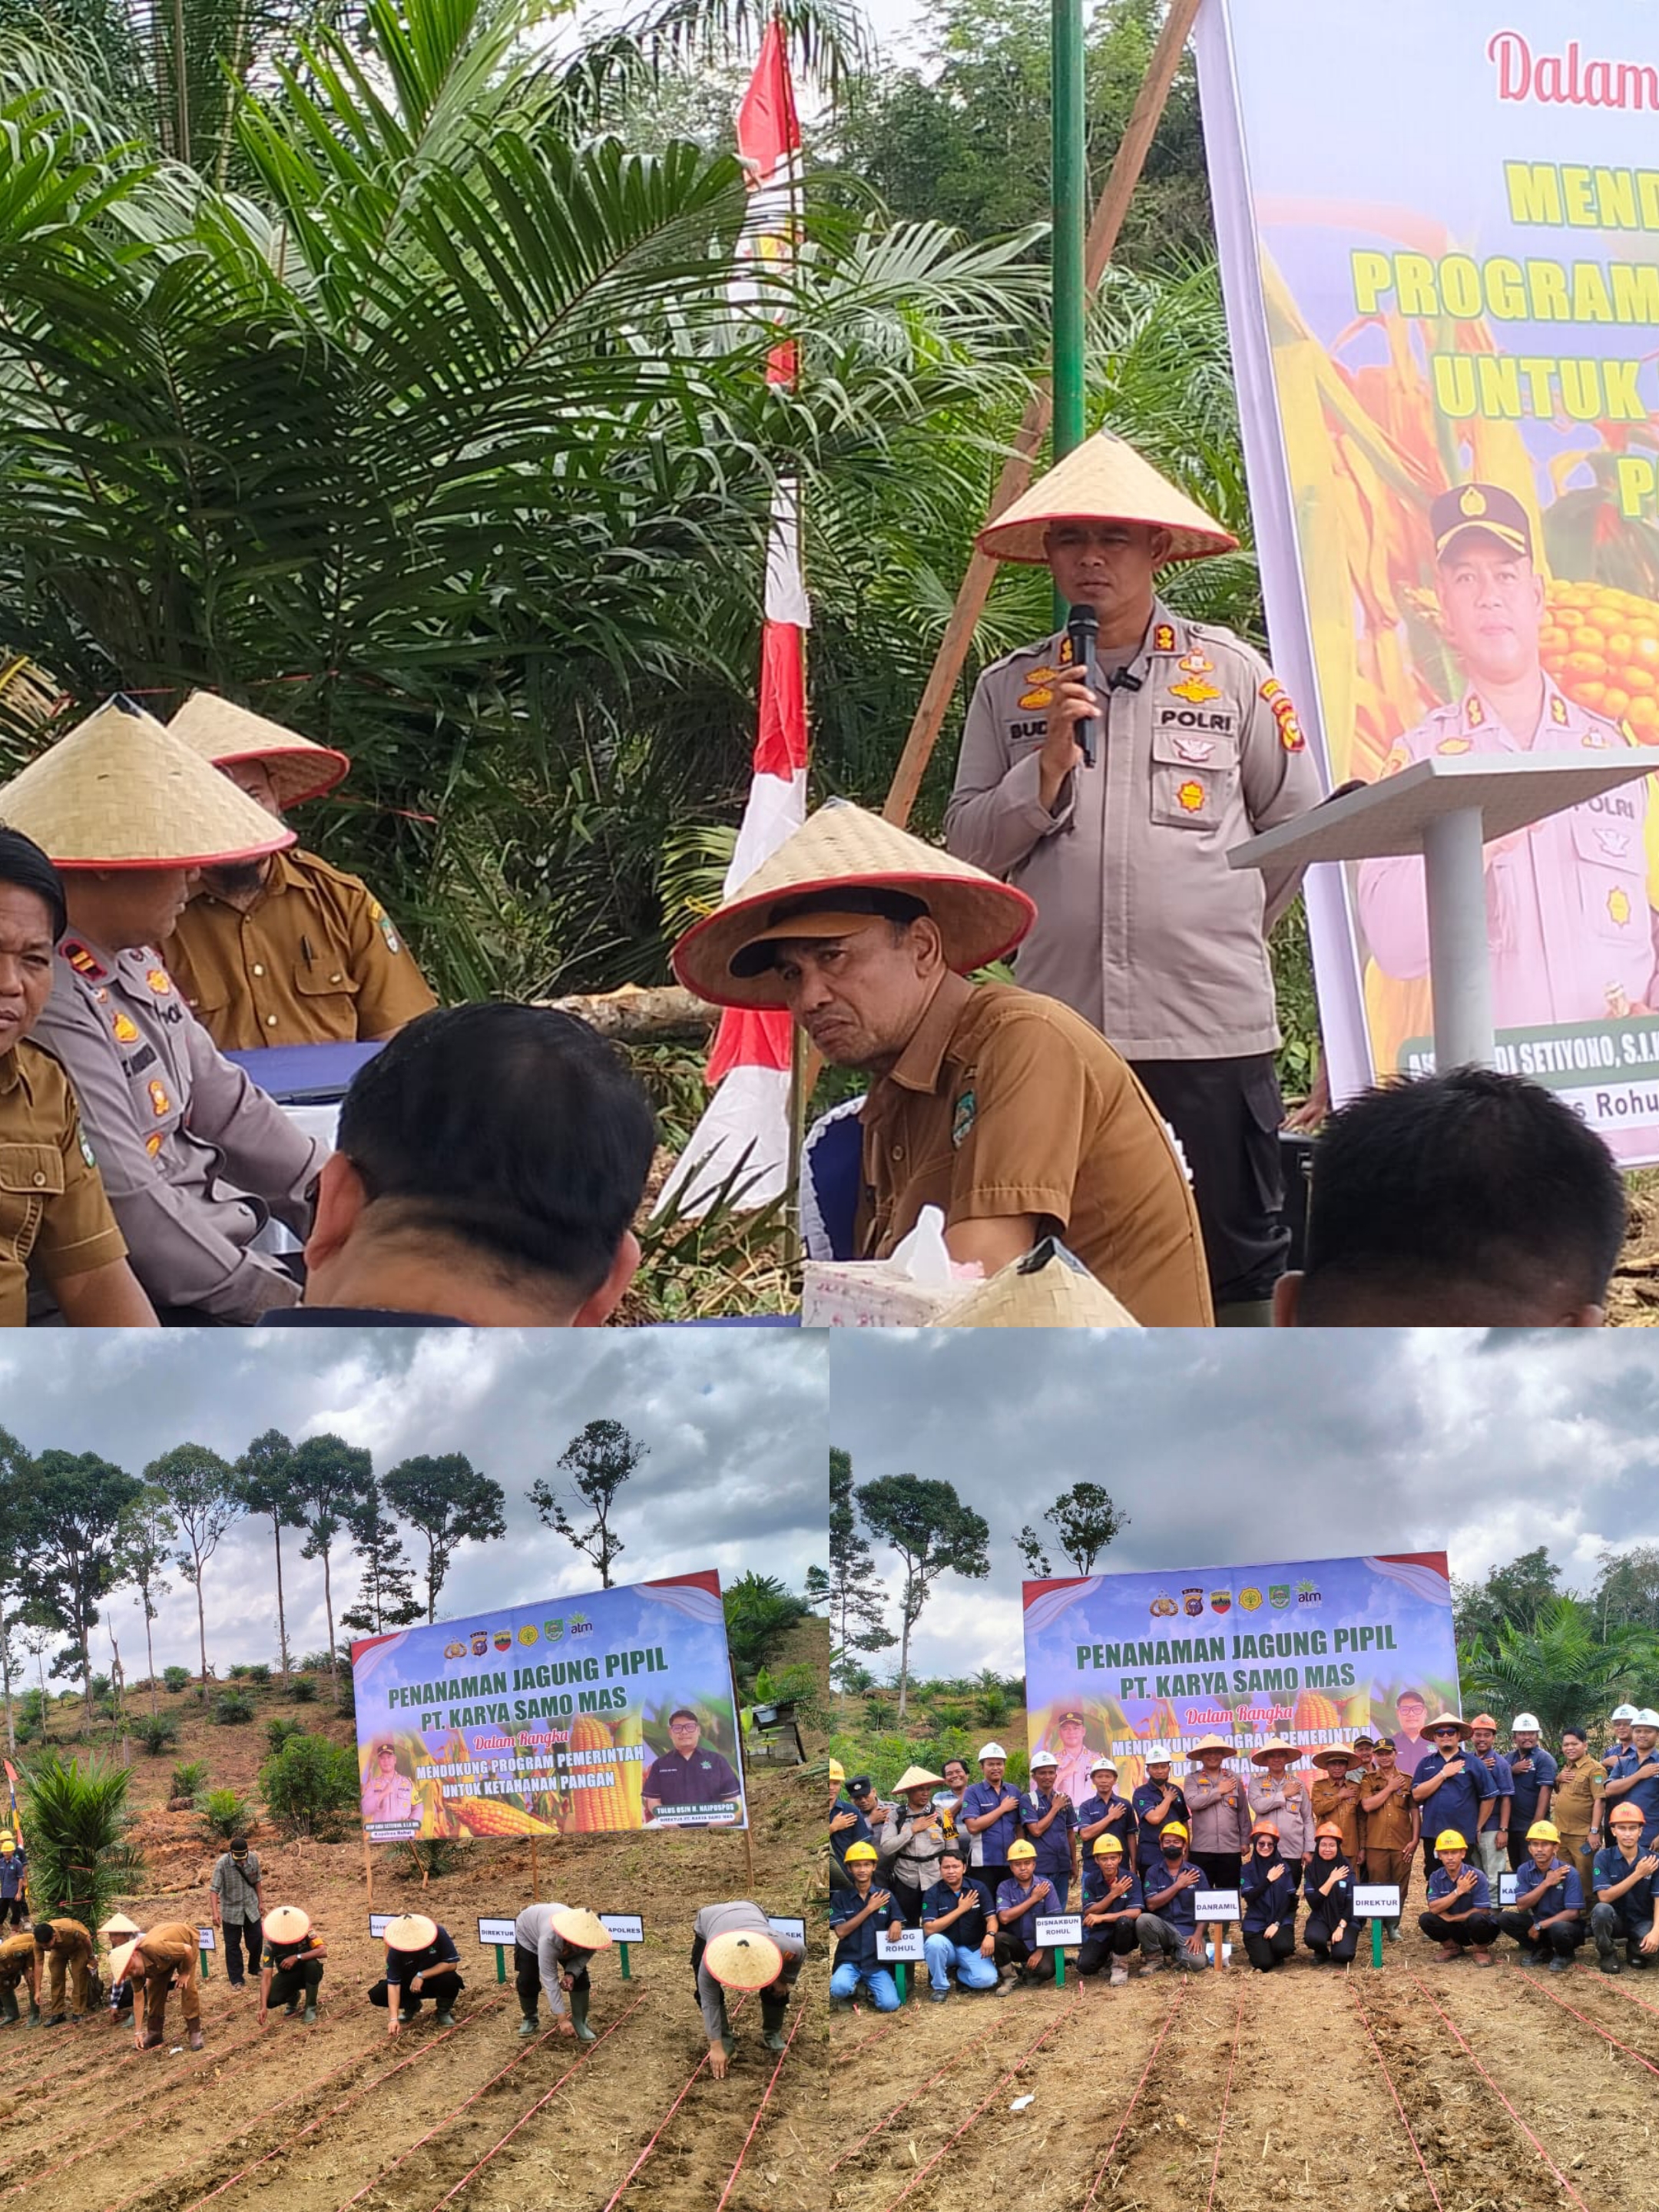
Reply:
x=488, y=1164
x=193, y=1157
x=290, y=1964
x=1003, y=1108
x=735, y=1947
x=1112, y=1907
x=284, y=949
x=857, y=1916
x=1627, y=1907
x=1472, y=1199
x=163, y=1957
x=422, y=1965
x=1459, y=1917
x=1167, y=1930
x=54, y=1214
x=959, y=1922
x=1546, y=1920
x=551, y=1947
x=1019, y=1900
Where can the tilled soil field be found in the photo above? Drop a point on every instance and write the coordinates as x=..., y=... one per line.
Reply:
x=1422, y=2086
x=342, y=2114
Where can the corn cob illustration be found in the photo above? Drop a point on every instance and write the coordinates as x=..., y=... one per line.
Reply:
x=1314, y=1711
x=493, y=1816
x=606, y=1806
x=1602, y=646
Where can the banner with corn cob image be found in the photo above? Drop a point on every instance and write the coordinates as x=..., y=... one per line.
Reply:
x=613, y=1709
x=1310, y=1650
x=1439, y=234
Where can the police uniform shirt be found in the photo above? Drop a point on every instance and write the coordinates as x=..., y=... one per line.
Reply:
x=1098, y=1877
x=1476, y=1899
x=1455, y=1804
x=858, y=1947
x=1531, y=1772
x=53, y=1209
x=971, y=1928
x=315, y=960
x=1053, y=1845
x=701, y=1777
x=1003, y=1102
x=989, y=1846
x=1636, y=1907
x=1011, y=1895
x=843, y=1839
x=194, y=1156
x=1567, y=1896
x=1144, y=1804
x=1142, y=927
x=1266, y=1900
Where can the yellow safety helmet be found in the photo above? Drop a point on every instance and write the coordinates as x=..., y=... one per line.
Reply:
x=860, y=1852
x=837, y=1771
x=1450, y=1840
x=1543, y=1832
x=1173, y=1828
x=1022, y=1850
x=1105, y=1844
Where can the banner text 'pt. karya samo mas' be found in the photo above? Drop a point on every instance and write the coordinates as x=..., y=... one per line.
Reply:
x=613, y=1709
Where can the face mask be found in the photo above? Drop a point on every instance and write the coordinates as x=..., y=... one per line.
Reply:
x=1172, y=1851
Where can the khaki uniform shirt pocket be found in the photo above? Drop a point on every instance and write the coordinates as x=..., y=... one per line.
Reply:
x=30, y=1176
x=327, y=991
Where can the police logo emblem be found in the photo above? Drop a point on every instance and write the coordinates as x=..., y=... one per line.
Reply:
x=962, y=1119
x=1190, y=796
x=160, y=981
x=1619, y=905
x=125, y=1028
x=160, y=1103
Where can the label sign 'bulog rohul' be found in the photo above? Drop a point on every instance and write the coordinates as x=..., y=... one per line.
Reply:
x=1058, y=1927
x=491, y=1932
x=1215, y=1903
x=794, y=1930
x=906, y=1945
x=1376, y=1901
x=623, y=1927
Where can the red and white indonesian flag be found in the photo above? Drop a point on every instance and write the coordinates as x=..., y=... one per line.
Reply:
x=750, y=1063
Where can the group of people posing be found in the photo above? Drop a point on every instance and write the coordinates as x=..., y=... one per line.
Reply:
x=975, y=1865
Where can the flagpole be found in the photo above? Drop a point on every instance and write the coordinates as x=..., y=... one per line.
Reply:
x=802, y=1068
x=1069, y=191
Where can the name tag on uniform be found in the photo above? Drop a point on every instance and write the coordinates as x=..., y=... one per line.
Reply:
x=1055, y=1929
x=906, y=1945
x=1376, y=1901
x=1215, y=1903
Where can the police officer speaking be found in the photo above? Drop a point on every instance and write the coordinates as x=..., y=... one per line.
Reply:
x=1142, y=927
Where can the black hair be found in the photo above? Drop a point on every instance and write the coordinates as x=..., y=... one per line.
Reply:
x=1576, y=1728
x=43, y=1932
x=682, y=1713
x=952, y=1850
x=23, y=863
x=1459, y=1199
x=516, y=1130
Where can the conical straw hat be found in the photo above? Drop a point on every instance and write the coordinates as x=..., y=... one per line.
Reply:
x=222, y=734
x=1259, y=1756
x=409, y=1931
x=914, y=1778
x=1046, y=1287
x=119, y=792
x=843, y=849
x=286, y=1923
x=584, y=1928
x=121, y=1959
x=743, y=1959
x=118, y=1924
x=1102, y=480
x=1330, y=1751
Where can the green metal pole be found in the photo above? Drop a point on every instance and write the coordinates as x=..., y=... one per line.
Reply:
x=1070, y=194
x=626, y=1976
x=1376, y=1945
x=501, y=1962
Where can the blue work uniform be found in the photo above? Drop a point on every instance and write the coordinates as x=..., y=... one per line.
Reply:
x=1098, y=1877
x=854, y=1959
x=1141, y=1805
x=958, y=1945
x=12, y=1868
x=1531, y=1772
x=1498, y=1770
x=1053, y=1845
x=1645, y=1794
x=1022, y=1931
x=989, y=1847
x=1635, y=1909
x=1455, y=1804
x=1567, y=1896
x=1178, y=1908
x=1125, y=1827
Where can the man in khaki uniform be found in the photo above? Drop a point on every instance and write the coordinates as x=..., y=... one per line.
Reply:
x=1576, y=1808
x=20, y=1962
x=1336, y=1796
x=67, y=1948
x=1003, y=1108
x=1390, y=1817
x=194, y=1158
x=53, y=1211
x=1142, y=927
x=284, y=950
x=162, y=1959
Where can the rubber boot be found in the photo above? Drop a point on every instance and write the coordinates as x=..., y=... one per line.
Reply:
x=194, y=2038
x=311, y=2013
x=445, y=2019
x=1245, y=1313
x=772, y=2013
x=7, y=2007
x=528, y=2024
x=579, y=2016
x=54, y=2019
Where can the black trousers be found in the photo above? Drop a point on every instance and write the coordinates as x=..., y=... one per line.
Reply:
x=1266, y=1952
x=1227, y=1115
x=298, y=1986
x=527, y=1979
x=238, y=1935
x=906, y=1902
x=1316, y=1934
x=1222, y=1870
x=11, y=1908
x=1101, y=1944
x=1480, y=1929
x=1564, y=1938
x=991, y=1876
x=1010, y=1951
x=441, y=1987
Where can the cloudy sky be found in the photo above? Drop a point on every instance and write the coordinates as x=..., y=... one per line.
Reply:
x=1230, y=1449
x=734, y=1422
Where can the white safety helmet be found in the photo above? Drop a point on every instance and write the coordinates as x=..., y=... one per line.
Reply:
x=1157, y=1754
x=991, y=1751
x=1647, y=1717
x=1625, y=1713
x=1528, y=1721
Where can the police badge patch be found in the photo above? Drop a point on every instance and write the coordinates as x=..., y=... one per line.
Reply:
x=962, y=1119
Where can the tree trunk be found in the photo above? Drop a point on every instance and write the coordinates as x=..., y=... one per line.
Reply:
x=328, y=1608
x=149, y=1654
x=633, y=1016
x=282, y=1620
x=904, y=1666
x=45, y=1710
x=201, y=1623
x=6, y=1678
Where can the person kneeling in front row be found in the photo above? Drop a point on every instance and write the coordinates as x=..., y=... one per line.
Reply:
x=1267, y=1888
x=857, y=1915
x=1330, y=1931
x=960, y=1924
x=1460, y=1915
x=1547, y=1918
x=1626, y=1908
x=1167, y=1930
x=1113, y=1908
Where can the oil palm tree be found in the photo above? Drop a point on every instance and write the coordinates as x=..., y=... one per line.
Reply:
x=1563, y=1670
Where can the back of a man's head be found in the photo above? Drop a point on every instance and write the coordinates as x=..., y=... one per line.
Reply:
x=1468, y=1200
x=503, y=1149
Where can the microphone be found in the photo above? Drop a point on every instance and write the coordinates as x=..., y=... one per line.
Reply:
x=1082, y=628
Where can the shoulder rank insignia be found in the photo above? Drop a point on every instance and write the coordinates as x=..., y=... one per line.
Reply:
x=1164, y=637
x=1474, y=715
x=159, y=981
x=962, y=1119
x=1557, y=709
x=1064, y=655
x=81, y=960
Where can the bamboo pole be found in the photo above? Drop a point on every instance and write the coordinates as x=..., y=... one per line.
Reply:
x=749, y=1854
x=535, y=1874
x=1103, y=231
x=369, y=1872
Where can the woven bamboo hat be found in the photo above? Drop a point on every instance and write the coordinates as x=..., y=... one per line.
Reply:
x=582, y=1929
x=1210, y=1743
x=743, y=1959
x=913, y=1777
x=1259, y=1756
x=1102, y=480
x=119, y=792
x=1046, y=1287
x=118, y=1924
x=286, y=1923
x=410, y=1931
x=121, y=1959
x=1331, y=1751
x=1448, y=1721
x=222, y=734
x=839, y=868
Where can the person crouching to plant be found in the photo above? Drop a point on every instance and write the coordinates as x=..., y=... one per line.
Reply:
x=291, y=1963
x=1267, y=1886
x=162, y=1959
x=422, y=1964
x=19, y=1962
x=551, y=1947
x=68, y=1950
x=1460, y=1915
x=113, y=1932
x=735, y=1947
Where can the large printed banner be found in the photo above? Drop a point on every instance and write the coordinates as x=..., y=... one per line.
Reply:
x=1313, y=1651
x=1439, y=232
x=610, y=1710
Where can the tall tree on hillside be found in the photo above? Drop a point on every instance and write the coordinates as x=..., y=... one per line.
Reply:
x=855, y=1604
x=599, y=1462
x=450, y=1504
x=69, y=1510
x=16, y=1468
x=386, y=1596
x=1085, y=1521
x=264, y=1482
x=1511, y=1598
x=1559, y=1667
x=330, y=1478
x=1627, y=1587
x=933, y=1534
x=144, y=1535
x=201, y=1489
